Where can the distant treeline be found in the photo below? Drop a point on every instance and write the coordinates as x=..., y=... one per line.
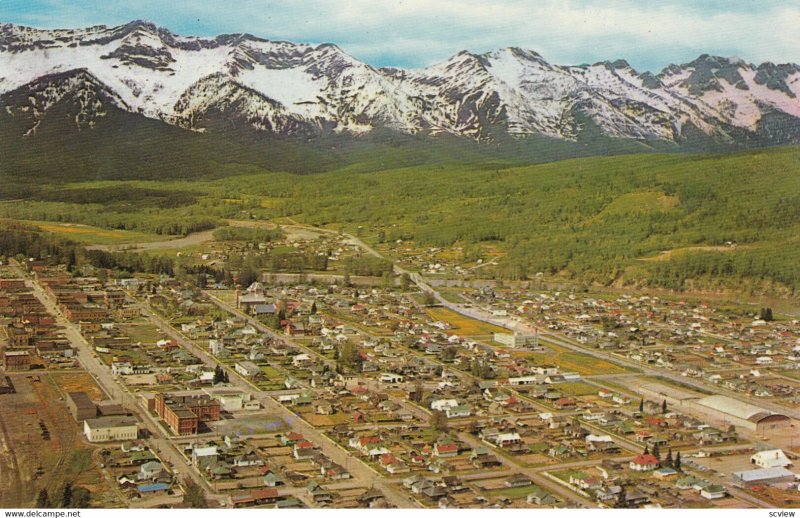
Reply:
x=248, y=234
x=27, y=242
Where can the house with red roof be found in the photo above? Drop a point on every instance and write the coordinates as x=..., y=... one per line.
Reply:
x=644, y=462
x=445, y=450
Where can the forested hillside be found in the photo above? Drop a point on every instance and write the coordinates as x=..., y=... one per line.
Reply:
x=670, y=220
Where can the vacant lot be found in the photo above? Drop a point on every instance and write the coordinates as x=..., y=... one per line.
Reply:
x=462, y=325
x=571, y=361
x=78, y=382
x=88, y=234
x=41, y=446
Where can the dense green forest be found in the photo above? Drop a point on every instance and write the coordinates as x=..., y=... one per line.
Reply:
x=669, y=220
x=651, y=219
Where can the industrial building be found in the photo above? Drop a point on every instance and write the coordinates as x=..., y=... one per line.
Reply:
x=80, y=406
x=745, y=415
x=116, y=428
x=723, y=409
x=764, y=477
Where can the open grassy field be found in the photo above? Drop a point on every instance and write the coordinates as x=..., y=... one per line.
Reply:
x=88, y=234
x=142, y=331
x=578, y=388
x=78, y=382
x=572, y=361
x=463, y=325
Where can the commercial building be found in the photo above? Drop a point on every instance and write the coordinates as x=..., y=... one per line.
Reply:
x=116, y=428
x=517, y=340
x=183, y=414
x=80, y=406
x=16, y=360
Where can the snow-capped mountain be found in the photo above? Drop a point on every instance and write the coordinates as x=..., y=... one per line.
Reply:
x=297, y=89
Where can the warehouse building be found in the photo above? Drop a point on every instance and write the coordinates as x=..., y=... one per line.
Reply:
x=116, y=428
x=764, y=477
x=744, y=415
x=80, y=406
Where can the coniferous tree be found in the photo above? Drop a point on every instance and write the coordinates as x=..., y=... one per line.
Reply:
x=66, y=495
x=194, y=496
x=42, y=500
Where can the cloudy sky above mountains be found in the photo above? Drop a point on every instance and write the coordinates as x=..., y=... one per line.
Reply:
x=416, y=33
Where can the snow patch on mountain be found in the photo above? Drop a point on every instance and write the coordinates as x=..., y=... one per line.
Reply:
x=293, y=88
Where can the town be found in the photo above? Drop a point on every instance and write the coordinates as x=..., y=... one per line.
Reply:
x=411, y=386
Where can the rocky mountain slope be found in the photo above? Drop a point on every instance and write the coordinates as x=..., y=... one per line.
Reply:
x=283, y=88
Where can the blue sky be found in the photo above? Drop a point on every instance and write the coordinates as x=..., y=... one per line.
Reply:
x=415, y=33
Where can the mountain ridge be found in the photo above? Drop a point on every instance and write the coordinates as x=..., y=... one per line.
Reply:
x=306, y=91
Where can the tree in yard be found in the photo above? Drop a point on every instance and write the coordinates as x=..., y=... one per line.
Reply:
x=42, y=500
x=220, y=375
x=664, y=406
x=247, y=276
x=438, y=421
x=449, y=354
x=193, y=495
x=677, y=463
x=405, y=281
x=416, y=396
x=765, y=314
x=314, y=308
x=348, y=358
x=670, y=461
x=428, y=298
x=646, y=449
x=656, y=452
x=641, y=405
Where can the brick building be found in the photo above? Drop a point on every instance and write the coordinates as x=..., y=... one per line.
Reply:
x=183, y=414
x=16, y=360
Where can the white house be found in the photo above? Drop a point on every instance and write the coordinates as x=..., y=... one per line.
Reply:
x=458, y=411
x=201, y=452
x=389, y=377
x=507, y=439
x=443, y=404
x=770, y=459
x=300, y=359
x=248, y=369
